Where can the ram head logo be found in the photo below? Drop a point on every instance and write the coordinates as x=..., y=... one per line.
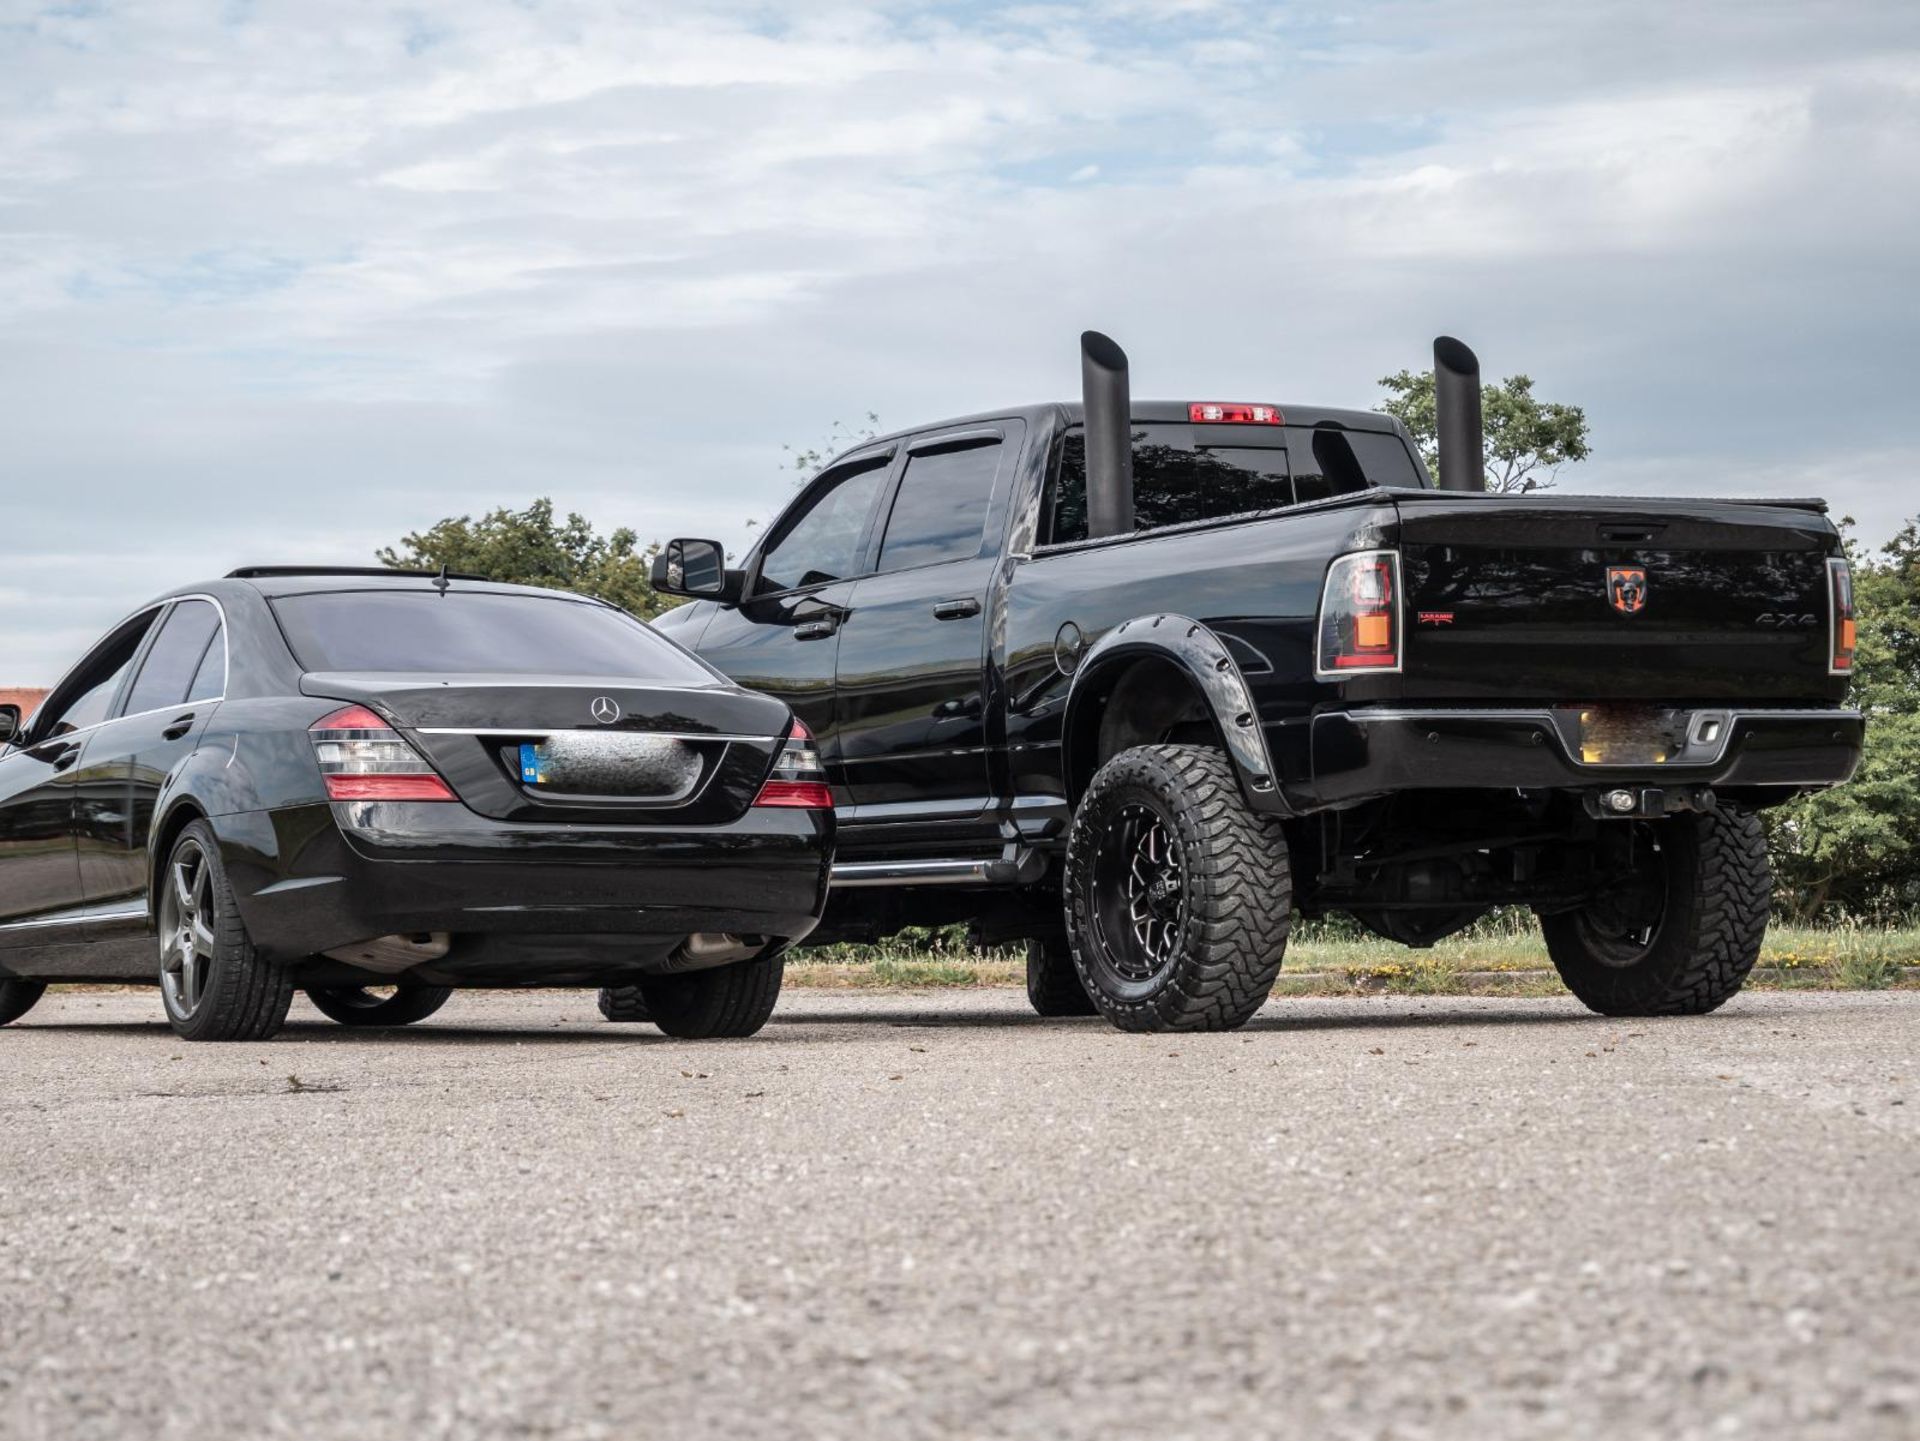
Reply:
x=1627, y=588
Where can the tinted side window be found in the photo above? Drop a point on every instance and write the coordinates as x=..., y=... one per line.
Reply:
x=175, y=658
x=83, y=698
x=940, y=512
x=1330, y=461
x=823, y=544
x=1175, y=479
x=1384, y=458
x=210, y=681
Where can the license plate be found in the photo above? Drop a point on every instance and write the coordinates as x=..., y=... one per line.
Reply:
x=1631, y=735
x=649, y=769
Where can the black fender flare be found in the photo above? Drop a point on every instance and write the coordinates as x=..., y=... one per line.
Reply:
x=1196, y=650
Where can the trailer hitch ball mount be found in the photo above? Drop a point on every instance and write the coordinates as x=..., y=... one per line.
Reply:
x=1642, y=803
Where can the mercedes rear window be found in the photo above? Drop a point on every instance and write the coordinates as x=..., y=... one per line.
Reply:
x=476, y=633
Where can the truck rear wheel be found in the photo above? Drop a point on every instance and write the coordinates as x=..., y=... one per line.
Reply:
x=1178, y=893
x=734, y=1000
x=1681, y=938
x=1053, y=985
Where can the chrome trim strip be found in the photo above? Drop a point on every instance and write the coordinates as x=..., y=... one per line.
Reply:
x=852, y=875
x=586, y=730
x=48, y=922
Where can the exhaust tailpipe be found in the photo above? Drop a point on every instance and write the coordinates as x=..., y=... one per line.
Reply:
x=1109, y=417
x=1456, y=407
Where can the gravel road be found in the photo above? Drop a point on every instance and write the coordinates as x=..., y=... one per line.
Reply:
x=924, y=1215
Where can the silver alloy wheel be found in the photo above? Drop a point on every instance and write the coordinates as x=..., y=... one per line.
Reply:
x=186, y=929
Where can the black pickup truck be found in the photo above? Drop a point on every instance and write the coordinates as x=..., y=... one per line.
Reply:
x=1133, y=682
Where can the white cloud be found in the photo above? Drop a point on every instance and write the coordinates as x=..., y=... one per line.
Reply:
x=292, y=286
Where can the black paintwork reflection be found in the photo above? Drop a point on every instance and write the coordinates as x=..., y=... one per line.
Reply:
x=1537, y=624
x=248, y=763
x=39, y=869
x=911, y=715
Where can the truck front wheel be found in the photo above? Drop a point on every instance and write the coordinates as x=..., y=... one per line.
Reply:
x=1679, y=938
x=1178, y=892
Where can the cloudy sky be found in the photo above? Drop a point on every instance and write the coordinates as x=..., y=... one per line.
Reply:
x=285, y=281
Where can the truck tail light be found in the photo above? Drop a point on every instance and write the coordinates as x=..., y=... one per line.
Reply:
x=1215, y=412
x=798, y=779
x=1844, y=631
x=362, y=758
x=1360, y=616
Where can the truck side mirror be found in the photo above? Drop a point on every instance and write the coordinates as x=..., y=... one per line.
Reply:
x=696, y=568
x=9, y=724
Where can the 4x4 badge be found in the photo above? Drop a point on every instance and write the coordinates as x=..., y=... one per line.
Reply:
x=1627, y=588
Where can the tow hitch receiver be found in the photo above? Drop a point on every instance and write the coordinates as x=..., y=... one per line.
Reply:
x=1640, y=803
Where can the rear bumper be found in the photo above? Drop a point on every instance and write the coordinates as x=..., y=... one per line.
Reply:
x=524, y=902
x=1361, y=753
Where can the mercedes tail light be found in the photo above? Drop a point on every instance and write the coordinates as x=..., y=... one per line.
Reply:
x=1844, y=632
x=798, y=779
x=1360, y=629
x=363, y=758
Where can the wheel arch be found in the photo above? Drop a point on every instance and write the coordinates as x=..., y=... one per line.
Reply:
x=181, y=813
x=1148, y=675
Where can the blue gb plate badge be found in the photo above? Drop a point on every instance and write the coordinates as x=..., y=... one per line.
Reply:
x=533, y=764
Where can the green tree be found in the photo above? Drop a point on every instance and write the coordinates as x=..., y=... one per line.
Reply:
x=1856, y=849
x=529, y=547
x=1527, y=439
x=839, y=437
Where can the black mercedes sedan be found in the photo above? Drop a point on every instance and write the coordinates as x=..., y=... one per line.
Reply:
x=377, y=786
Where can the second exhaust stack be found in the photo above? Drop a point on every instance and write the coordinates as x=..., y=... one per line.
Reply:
x=1107, y=399
x=1456, y=415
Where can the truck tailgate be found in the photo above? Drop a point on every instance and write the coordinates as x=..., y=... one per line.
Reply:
x=1527, y=599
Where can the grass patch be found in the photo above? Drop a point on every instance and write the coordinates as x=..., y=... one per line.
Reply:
x=1502, y=956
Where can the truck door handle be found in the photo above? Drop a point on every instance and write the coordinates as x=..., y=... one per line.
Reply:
x=815, y=629
x=66, y=758
x=956, y=609
x=180, y=726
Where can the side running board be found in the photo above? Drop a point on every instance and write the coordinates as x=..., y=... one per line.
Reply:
x=1020, y=866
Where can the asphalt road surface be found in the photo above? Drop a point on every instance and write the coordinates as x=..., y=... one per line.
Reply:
x=918, y=1215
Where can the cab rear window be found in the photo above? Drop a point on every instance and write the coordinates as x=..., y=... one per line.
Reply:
x=1181, y=473
x=476, y=633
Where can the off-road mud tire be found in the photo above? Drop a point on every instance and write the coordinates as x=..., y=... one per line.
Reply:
x=623, y=1003
x=1233, y=886
x=1053, y=984
x=1718, y=889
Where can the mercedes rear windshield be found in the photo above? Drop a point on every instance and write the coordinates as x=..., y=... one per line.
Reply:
x=476, y=633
